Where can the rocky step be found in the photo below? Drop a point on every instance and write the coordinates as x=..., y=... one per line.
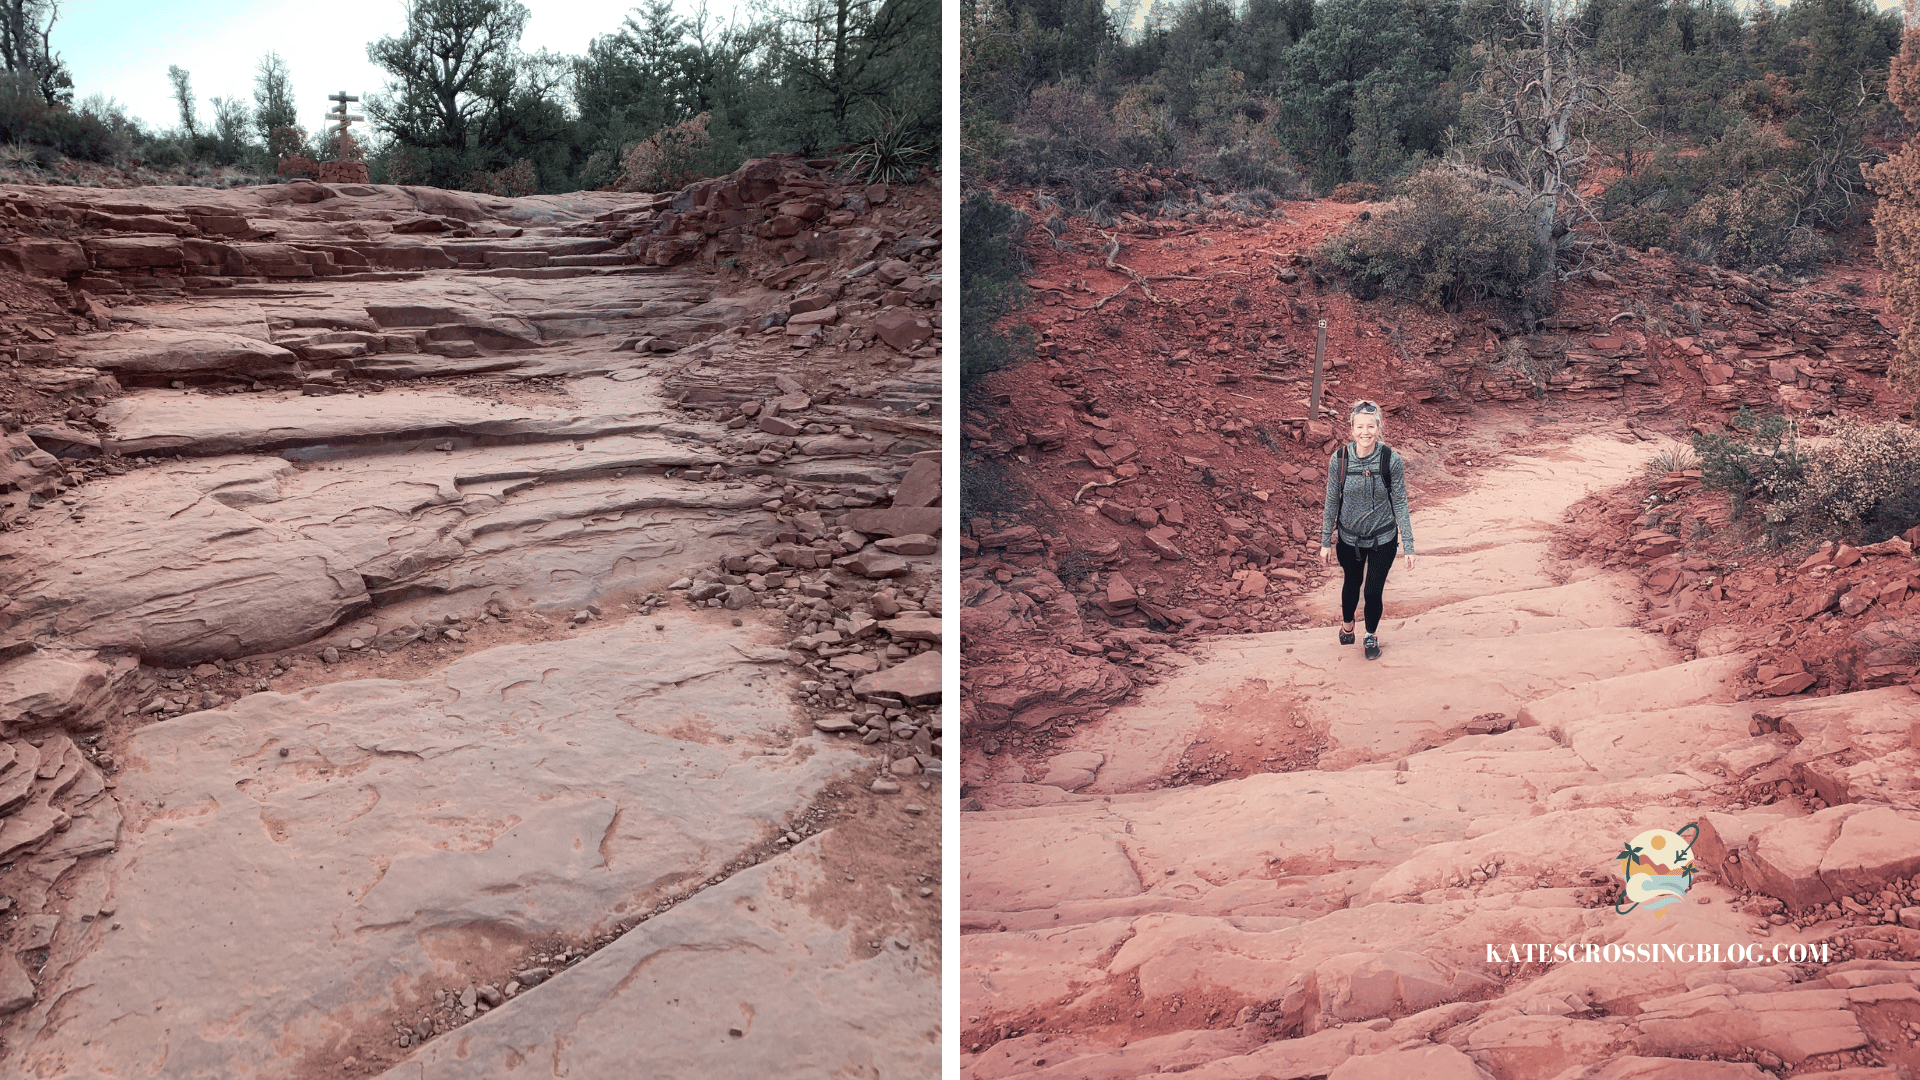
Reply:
x=565, y=271
x=200, y=583
x=164, y=421
x=350, y=796
x=1412, y=698
x=744, y=959
x=1707, y=680
x=610, y=258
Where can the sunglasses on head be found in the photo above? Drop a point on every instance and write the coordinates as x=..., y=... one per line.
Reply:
x=1366, y=407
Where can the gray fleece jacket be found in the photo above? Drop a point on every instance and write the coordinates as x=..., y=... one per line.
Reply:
x=1366, y=514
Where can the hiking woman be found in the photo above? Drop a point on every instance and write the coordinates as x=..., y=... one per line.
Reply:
x=1367, y=506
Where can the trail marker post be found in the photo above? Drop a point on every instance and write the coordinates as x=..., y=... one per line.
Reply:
x=340, y=118
x=1319, y=366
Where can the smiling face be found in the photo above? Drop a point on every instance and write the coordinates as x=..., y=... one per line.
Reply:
x=1366, y=432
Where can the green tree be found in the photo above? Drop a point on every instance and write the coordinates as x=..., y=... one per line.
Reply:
x=1843, y=49
x=841, y=59
x=1896, y=222
x=183, y=98
x=446, y=68
x=991, y=262
x=1383, y=62
x=273, y=96
x=1263, y=37
x=231, y=119
x=26, y=49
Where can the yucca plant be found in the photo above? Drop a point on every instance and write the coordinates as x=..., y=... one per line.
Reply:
x=894, y=152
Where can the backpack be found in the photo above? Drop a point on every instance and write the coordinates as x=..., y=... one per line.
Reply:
x=1340, y=490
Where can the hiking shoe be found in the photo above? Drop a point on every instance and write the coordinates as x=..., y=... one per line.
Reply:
x=1346, y=637
x=1373, y=648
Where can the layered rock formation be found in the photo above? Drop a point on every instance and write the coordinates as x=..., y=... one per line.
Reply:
x=422, y=609
x=1280, y=860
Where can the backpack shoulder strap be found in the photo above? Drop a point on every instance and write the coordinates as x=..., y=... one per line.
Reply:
x=1386, y=469
x=1339, y=487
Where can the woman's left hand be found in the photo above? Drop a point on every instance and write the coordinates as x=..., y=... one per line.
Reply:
x=1409, y=560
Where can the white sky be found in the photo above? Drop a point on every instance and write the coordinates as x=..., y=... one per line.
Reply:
x=122, y=48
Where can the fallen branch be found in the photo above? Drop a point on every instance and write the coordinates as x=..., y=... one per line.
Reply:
x=1209, y=277
x=1091, y=484
x=1127, y=270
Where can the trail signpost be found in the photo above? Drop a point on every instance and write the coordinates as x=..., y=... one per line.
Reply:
x=339, y=118
x=1319, y=359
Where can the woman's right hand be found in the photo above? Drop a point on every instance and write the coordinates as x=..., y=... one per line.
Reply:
x=1326, y=556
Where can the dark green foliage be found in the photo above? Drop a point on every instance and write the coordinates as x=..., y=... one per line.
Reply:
x=987, y=488
x=273, y=97
x=991, y=262
x=1246, y=169
x=1066, y=140
x=1758, y=457
x=26, y=119
x=26, y=49
x=1642, y=229
x=1443, y=245
x=451, y=72
x=1367, y=81
x=1892, y=516
x=183, y=98
x=894, y=151
x=833, y=61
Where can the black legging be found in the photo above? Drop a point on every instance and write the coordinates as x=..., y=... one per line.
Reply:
x=1375, y=562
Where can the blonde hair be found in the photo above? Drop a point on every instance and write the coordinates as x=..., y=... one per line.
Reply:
x=1379, y=414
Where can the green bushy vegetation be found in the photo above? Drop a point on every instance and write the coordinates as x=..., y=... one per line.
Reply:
x=1857, y=484
x=1757, y=458
x=1442, y=244
x=1733, y=135
x=662, y=97
x=991, y=262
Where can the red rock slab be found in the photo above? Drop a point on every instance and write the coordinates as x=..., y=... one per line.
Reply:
x=896, y=521
x=915, y=680
x=759, y=981
x=130, y=252
x=921, y=485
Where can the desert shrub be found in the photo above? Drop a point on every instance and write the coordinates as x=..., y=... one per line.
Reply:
x=518, y=179
x=1353, y=191
x=288, y=141
x=661, y=161
x=982, y=137
x=1254, y=168
x=1442, y=244
x=79, y=135
x=1671, y=460
x=1758, y=457
x=1641, y=229
x=988, y=487
x=1861, y=484
x=1066, y=142
x=893, y=150
x=163, y=154
x=991, y=262
x=1750, y=227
